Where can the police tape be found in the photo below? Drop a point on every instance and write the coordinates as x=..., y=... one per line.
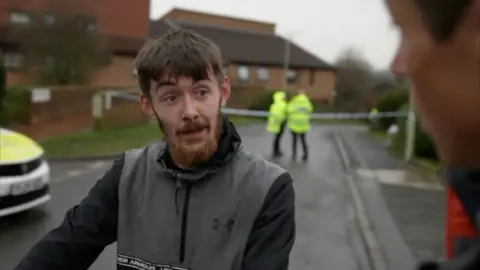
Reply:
x=241, y=112
x=255, y=113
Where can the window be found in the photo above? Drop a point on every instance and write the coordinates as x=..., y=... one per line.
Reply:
x=12, y=60
x=49, y=19
x=291, y=76
x=243, y=73
x=262, y=74
x=17, y=17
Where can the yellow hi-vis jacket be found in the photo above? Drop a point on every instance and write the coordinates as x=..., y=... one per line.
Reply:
x=277, y=112
x=299, y=110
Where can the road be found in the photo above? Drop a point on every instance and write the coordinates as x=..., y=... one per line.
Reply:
x=327, y=235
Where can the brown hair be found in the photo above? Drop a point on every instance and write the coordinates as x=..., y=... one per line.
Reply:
x=177, y=53
x=442, y=17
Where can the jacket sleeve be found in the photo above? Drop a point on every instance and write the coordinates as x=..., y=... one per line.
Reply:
x=273, y=233
x=86, y=230
x=466, y=185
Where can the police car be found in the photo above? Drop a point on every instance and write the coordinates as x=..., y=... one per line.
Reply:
x=24, y=173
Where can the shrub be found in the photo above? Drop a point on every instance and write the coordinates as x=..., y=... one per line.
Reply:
x=17, y=106
x=391, y=101
x=3, y=93
x=424, y=146
x=263, y=103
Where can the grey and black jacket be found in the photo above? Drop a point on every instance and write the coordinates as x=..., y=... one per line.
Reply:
x=235, y=212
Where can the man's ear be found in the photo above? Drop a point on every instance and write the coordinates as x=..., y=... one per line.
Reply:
x=146, y=105
x=225, y=91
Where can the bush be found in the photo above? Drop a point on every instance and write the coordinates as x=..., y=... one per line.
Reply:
x=3, y=93
x=424, y=146
x=17, y=106
x=391, y=101
x=263, y=103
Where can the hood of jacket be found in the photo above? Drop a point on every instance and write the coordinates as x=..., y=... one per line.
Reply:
x=278, y=97
x=229, y=144
x=300, y=97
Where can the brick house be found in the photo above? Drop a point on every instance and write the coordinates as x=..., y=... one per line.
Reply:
x=254, y=54
x=125, y=27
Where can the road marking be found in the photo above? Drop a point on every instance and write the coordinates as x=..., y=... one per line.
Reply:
x=73, y=173
x=90, y=167
x=97, y=165
x=375, y=256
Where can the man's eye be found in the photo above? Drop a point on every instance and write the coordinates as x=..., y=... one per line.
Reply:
x=170, y=99
x=202, y=92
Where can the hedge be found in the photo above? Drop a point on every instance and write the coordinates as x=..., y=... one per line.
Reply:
x=424, y=146
x=391, y=101
x=17, y=106
x=3, y=93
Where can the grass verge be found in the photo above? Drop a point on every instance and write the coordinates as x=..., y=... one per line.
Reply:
x=110, y=141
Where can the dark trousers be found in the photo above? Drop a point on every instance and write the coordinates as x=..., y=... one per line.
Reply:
x=276, y=140
x=303, y=140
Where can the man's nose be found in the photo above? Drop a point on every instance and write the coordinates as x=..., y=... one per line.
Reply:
x=399, y=66
x=190, y=111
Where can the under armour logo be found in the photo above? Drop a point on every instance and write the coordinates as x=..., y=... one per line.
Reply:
x=228, y=225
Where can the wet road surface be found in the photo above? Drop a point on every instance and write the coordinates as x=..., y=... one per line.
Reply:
x=327, y=235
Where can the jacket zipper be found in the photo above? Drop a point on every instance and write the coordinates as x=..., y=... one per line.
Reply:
x=183, y=235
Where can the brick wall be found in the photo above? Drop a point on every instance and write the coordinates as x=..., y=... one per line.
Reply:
x=126, y=18
x=117, y=74
x=123, y=114
x=213, y=19
x=66, y=103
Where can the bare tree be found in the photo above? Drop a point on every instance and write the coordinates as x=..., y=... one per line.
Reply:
x=62, y=46
x=355, y=80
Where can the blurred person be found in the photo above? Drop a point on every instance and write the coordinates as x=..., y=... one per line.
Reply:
x=197, y=201
x=277, y=116
x=372, y=116
x=440, y=52
x=298, y=121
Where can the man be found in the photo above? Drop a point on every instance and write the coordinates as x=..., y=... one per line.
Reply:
x=440, y=51
x=299, y=110
x=276, y=120
x=198, y=202
x=372, y=116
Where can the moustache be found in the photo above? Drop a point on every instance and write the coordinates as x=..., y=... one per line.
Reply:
x=193, y=126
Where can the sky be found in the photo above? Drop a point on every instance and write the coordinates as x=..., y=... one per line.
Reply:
x=323, y=27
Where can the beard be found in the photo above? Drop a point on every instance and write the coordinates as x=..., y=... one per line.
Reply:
x=184, y=154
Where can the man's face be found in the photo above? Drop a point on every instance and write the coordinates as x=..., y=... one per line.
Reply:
x=188, y=113
x=445, y=76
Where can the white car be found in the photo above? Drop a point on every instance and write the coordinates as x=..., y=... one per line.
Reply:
x=24, y=173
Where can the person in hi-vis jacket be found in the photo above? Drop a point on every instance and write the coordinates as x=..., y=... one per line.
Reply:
x=299, y=110
x=277, y=117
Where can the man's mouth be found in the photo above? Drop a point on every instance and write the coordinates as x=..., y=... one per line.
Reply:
x=193, y=133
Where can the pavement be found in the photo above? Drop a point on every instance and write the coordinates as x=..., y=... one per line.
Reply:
x=409, y=216
x=327, y=233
